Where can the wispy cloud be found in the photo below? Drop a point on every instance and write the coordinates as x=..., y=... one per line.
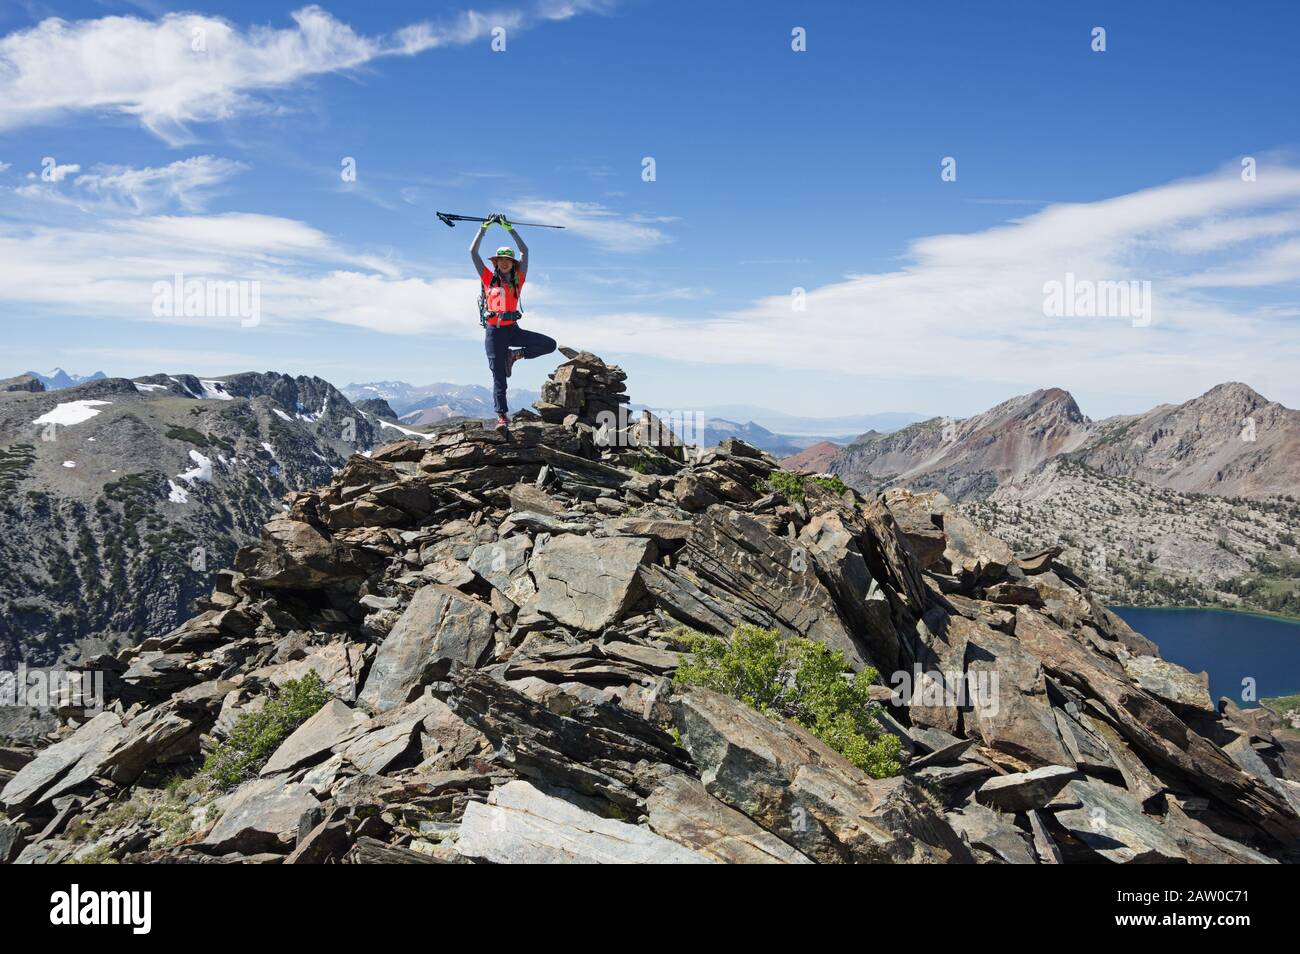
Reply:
x=185, y=185
x=594, y=222
x=185, y=68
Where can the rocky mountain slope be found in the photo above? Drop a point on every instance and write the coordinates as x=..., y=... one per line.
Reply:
x=1190, y=504
x=498, y=618
x=1146, y=545
x=119, y=499
x=968, y=458
x=1230, y=441
x=814, y=459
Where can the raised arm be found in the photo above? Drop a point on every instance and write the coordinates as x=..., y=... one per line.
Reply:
x=519, y=240
x=473, y=248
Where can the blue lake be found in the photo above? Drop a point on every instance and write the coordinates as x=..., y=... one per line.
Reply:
x=1229, y=646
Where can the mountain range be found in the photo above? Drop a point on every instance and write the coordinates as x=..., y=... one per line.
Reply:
x=110, y=485
x=1185, y=503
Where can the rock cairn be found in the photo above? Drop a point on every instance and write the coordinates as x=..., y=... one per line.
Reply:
x=581, y=389
x=494, y=615
x=589, y=396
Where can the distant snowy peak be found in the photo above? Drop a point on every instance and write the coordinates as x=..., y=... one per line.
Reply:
x=432, y=403
x=57, y=378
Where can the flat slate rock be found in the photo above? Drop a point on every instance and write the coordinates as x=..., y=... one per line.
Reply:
x=802, y=790
x=520, y=824
x=334, y=723
x=1025, y=790
x=680, y=809
x=440, y=624
x=588, y=582
x=261, y=815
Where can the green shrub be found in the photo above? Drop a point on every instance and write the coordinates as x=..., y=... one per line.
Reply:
x=795, y=486
x=256, y=735
x=783, y=482
x=187, y=434
x=798, y=679
x=831, y=483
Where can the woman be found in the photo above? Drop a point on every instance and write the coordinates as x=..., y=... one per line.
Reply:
x=499, y=313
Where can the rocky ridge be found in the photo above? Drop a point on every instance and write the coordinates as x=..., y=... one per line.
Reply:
x=494, y=614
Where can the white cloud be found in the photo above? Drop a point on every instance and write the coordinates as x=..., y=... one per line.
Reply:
x=1222, y=256
x=108, y=269
x=115, y=189
x=594, y=222
x=963, y=308
x=185, y=182
x=186, y=67
x=4, y=167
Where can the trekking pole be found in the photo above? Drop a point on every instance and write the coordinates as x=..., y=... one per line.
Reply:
x=448, y=219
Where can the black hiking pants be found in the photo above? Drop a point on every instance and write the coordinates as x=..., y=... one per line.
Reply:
x=500, y=340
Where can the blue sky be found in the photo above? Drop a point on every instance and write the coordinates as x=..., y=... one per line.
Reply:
x=775, y=170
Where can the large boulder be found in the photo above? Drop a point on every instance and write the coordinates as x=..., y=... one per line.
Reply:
x=588, y=583
x=679, y=808
x=261, y=815
x=441, y=625
x=107, y=746
x=334, y=723
x=835, y=546
x=504, y=564
x=972, y=553
x=794, y=785
x=1110, y=821
x=1022, y=791
x=1012, y=713
x=294, y=554
x=1171, y=683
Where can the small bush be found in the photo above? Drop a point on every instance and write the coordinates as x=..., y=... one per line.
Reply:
x=783, y=482
x=800, y=680
x=187, y=434
x=256, y=735
x=795, y=486
x=831, y=483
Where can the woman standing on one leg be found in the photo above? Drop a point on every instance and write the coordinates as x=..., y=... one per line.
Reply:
x=499, y=312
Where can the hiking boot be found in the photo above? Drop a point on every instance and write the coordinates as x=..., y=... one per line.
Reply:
x=510, y=361
x=501, y=421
